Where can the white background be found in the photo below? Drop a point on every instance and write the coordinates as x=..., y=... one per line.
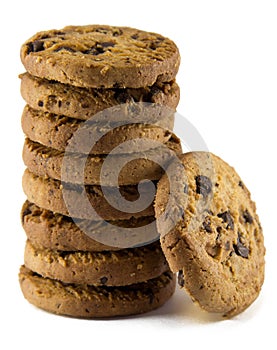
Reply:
x=228, y=80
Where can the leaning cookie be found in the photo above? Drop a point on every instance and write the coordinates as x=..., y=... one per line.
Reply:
x=85, y=301
x=82, y=103
x=101, y=56
x=216, y=241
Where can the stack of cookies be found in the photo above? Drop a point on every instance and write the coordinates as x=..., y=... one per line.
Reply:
x=84, y=256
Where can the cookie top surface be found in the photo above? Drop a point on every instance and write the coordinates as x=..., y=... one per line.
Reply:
x=101, y=56
x=210, y=233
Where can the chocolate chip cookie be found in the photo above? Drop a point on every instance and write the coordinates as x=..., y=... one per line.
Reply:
x=86, y=301
x=100, y=138
x=45, y=161
x=81, y=103
x=50, y=194
x=101, y=56
x=117, y=268
x=216, y=241
x=58, y=232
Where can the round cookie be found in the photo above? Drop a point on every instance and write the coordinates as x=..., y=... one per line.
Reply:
x=44, y=161
x=82, y=103
x=101, y=56
x=118, y=268
x=49, y=194
x=58, y=232
x=216, y=240
x=90, y=301
x=56, y=131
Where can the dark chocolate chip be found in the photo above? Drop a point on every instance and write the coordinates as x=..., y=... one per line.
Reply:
x=40, y=103
x=203, y=185
x=35, y=46
x=240, y=248
x=64, y=48
x=117, y=32
x=226, y=216
x=247, y=217
x=241, y=184
x=134, y=36
x=95, y=50
x=181, y=279
x=107, y=44
x=102, y=30
x=207, y=225
x=103, y=280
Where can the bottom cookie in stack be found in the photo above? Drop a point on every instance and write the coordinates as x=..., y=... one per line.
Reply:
x=85, y=278
x=88, y=301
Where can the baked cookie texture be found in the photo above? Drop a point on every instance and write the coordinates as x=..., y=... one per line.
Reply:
x=54, y=231
x=50, y=194
x=216, y=242
x=150, y=164
x=57, y=132
x=100, y=56
x=96, y=94
x=97, y=268
x=88, y=301
x=82, y=103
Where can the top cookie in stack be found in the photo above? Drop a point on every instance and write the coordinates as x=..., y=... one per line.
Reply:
x=73, y=76
x=101, y=57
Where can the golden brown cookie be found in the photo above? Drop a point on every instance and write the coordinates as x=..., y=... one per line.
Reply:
x=58, y=232
x=118, y=268
x=81, y=103
x=91, y=302
x=101, y=56
x=150, y=164
x=56, y=131
x=216, y=241
x=49, y=194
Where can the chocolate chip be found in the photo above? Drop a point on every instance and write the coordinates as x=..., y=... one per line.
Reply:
x=181, y=279
x=102, y=30
x=35, y=46
x=40, y=103
x=226, y=216
x=107, y=44
x=207, y=225
x=203, y=185
x=103, y=280
x=95, y=50
x=134, y=36
x=240, y=248
x=117, y=32
x=241, y=184
x=64, y=48
x=247, y=217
